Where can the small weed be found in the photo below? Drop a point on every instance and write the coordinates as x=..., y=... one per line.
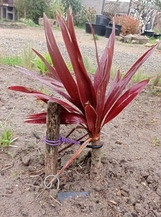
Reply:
x=153, y=91
x=40, y=65
x=88, y=64
x=156, y=85
x=40, y=157
x=6, y=137
x=157, y=80
x=113, y=72
x=10, y=154
x=153, y=41
x=156, y=142
x=57, y=28
x=30, y=148
x=69, y=66
x=27, y=57
x=96, y=37
x=156, y=90
x=17, y=173
x=44, y=90
x=139, y=76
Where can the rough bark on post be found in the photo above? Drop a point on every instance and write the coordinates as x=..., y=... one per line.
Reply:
x=96, y=165
x=52, y=134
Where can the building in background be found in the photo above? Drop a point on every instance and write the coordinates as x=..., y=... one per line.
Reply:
x=7, y=10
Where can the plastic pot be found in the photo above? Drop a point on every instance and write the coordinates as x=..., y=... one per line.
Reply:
x=109, y=30
x=88, y=29
x=157, y=35
x=117, y=28
x=102, y=20
x=149, y=33
x=98, y=29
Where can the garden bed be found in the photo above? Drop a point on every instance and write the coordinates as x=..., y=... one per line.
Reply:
x=131, y=185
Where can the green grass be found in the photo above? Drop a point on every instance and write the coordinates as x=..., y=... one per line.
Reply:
x=25, y=59
x=29, y=60
x=156, y=81
x=152, y=40
x=88, y=64
x=156, y=142
x=40, y=65
x=28, y=22
x=11, y=60
x=96, y=37
x=139, y=76
x=6, y=135
x=113, y=72
x=79, y=27
x=28, y=57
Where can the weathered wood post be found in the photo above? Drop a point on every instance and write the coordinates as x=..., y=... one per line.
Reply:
x=52, y=134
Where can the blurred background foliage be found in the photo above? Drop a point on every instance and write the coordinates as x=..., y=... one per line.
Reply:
x=34, y=9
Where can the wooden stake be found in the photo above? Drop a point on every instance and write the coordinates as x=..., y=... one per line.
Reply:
x=52, y=134
x=96, y=165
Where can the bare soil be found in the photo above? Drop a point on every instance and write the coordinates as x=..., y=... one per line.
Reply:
x=131, y=155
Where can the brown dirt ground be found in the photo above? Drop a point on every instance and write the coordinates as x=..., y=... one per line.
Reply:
x=131, y=157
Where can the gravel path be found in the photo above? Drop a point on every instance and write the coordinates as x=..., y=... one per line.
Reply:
x=13, y=41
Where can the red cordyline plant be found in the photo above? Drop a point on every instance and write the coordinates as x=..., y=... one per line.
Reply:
x=88, y=102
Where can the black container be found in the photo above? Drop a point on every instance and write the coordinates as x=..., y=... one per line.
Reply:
x=88, y=28
x=157, y=35
x=149, y=33
x=109, y=31
x=117, y=28
x=102, y=20
x=98, y=29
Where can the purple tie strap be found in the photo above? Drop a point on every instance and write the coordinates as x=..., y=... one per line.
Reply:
x=61, y=139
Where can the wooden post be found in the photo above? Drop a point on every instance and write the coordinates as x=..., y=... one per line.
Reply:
x=96, y=165
x=52, y=134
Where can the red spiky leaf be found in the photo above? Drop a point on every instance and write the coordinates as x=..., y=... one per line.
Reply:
x=85, y=101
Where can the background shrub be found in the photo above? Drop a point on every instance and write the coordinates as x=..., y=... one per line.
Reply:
x=76, y=6
x=53, y=7
x=130, y=25
x=31, y=9
x=85, y=15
